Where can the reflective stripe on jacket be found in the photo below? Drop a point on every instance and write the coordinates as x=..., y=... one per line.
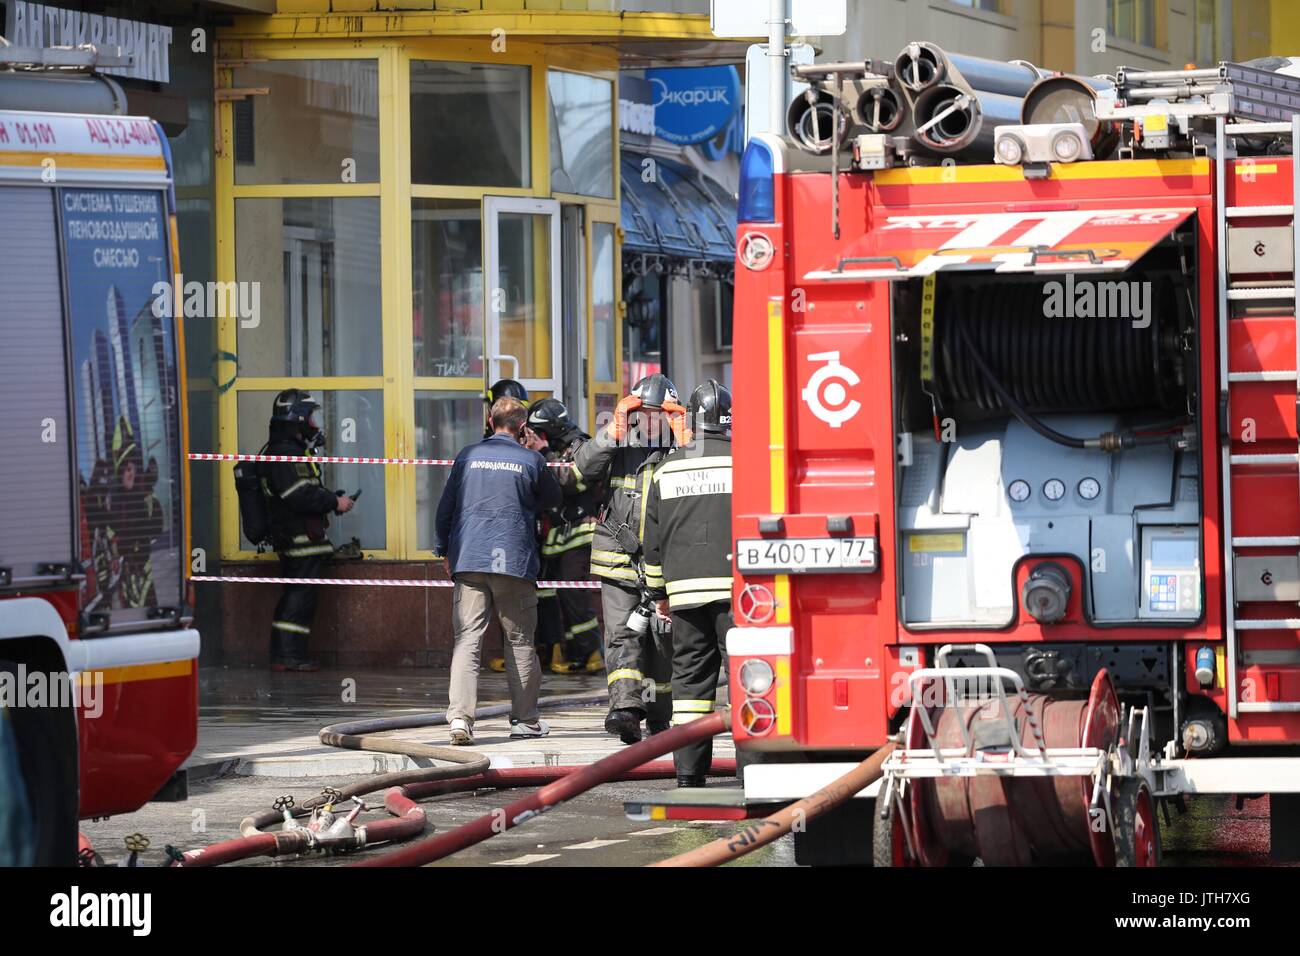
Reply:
x=688, y=525
x=626, y=471
x=297, y=502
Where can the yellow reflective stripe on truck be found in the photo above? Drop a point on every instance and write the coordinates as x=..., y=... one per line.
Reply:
x=776, y=396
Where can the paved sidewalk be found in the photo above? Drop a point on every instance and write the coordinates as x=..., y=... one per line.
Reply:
x=258, y=724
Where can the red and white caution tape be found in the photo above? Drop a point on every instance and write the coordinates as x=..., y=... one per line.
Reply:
x=337, y=459
x=377, y=582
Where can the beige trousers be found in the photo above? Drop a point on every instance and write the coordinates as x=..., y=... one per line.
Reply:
x=474, y=598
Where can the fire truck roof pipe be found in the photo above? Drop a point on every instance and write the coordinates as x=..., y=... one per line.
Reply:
x=879, y=109
x=954, y=121
x=1066, y=98
x=811, y=120
x=54, y=93
x=921, y=66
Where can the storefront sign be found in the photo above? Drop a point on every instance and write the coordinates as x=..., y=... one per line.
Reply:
x=693, y=105
x=636, y=109
x=149, y=44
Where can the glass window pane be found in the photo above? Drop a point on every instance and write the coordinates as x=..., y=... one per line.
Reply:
x=582, y=135
x=311, y=269
x=318, y=115
x=469, y=109
x=523, y=300
x=642, y=338
x=354, y=426
x=605, y=406
x=604, y=309
x=447, y=287
x=445, y=422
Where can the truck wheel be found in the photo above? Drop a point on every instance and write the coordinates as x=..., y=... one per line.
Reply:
x=1284, y=827
x=1135, y=825
x=42, y=745
x=888, y=844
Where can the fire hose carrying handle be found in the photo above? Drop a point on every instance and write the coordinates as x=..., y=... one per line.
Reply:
x=868, y=260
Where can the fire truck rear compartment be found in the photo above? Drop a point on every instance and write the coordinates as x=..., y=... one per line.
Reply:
x=1047, y=467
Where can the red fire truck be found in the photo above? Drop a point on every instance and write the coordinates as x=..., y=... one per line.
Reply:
x=1020, y=441
x=98, y=658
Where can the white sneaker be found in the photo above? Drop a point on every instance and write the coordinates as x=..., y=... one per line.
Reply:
x=539, y=728
x=461, y=732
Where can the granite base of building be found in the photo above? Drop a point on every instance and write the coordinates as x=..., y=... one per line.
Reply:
x=355, y=626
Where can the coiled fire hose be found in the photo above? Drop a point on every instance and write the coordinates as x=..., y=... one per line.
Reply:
x=762, y=832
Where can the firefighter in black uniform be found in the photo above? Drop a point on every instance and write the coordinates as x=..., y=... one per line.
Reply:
x=688, y=563
x=298, y=506
x=566, y=544
x=638, y=648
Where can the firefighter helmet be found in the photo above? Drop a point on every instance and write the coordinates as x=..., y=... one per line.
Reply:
x=654, y=390
x=506, y=388
x=295, y=406
x=550, y=418
x=710, y=408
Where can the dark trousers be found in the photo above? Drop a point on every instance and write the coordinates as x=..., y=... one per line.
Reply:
x=291, y=623
x=638, y=667
x=581, y=629
x=699, y=634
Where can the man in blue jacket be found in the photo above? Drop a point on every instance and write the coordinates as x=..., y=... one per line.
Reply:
x=487, y=530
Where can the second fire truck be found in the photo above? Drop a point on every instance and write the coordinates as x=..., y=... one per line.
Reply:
x=1021, y=440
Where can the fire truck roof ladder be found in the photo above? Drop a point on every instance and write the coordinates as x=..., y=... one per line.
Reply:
x=1229, y=89
x=1246, y=589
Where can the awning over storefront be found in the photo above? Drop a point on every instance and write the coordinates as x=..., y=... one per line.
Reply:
x=672, y=210
x=1074, y=240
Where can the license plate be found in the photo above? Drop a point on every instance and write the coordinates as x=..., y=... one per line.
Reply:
x=805, y=555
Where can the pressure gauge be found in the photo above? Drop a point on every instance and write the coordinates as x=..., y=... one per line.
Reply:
x=1018, y=490
x=1089, y=488
x=1054, y=489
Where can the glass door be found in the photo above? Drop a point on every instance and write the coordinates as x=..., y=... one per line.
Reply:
x=522, y=296
x=573, y=259
x=603, y=345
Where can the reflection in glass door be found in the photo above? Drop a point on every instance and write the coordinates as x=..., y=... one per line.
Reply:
x=522, y=299
x=574, y=327
x=306, y=258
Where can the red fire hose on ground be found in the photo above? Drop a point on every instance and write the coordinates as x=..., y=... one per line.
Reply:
x=551, y=795
x=469, y=771
x=762, y=832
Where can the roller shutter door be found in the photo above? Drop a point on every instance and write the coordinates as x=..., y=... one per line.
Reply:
x=36, y=513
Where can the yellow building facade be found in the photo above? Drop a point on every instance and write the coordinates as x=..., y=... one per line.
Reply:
x=426, y=201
